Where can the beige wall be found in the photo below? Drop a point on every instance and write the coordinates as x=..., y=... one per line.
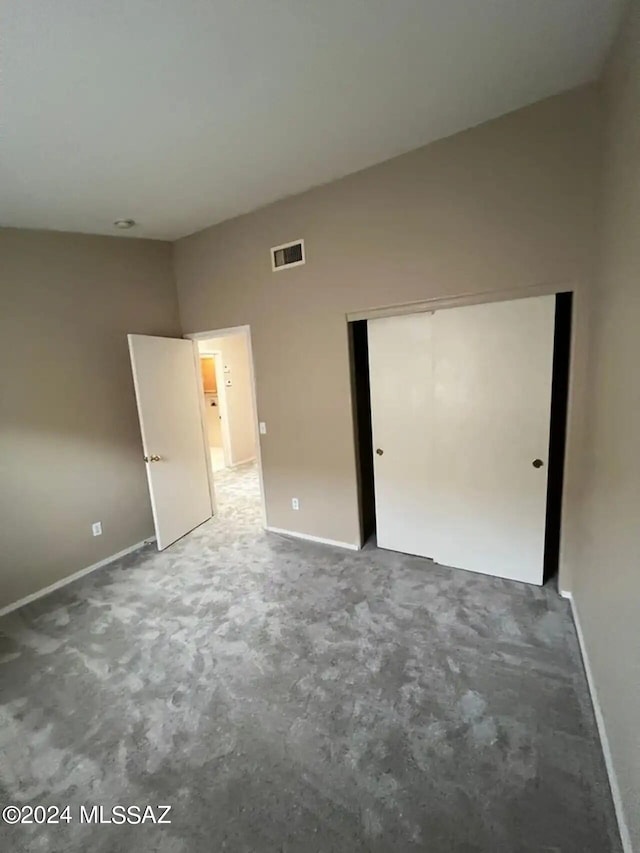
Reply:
x=238, y=397
x=70, y=451
x=607, y=586
x=505, y=205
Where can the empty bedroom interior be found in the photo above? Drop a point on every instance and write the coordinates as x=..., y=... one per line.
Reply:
x=277, y=675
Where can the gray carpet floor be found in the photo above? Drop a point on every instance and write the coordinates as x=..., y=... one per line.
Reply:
x=285, y=696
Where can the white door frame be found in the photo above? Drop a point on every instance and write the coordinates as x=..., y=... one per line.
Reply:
x=224, y=333
x=222, y=402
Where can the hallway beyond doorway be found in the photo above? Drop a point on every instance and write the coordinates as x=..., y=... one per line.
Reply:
x=217, y=458
x=238, y=492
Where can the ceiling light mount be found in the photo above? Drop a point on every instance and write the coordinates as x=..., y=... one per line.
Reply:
x=124, y=224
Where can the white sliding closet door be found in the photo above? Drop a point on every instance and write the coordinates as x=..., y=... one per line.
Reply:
x=401, y=378
x=460, y=405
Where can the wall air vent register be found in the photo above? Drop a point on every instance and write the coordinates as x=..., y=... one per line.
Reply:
x=288, y=255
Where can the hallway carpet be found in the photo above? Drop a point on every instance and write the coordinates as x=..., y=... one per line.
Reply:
x=286, y=696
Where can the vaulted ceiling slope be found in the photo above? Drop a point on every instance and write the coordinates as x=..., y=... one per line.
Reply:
x=183, y=113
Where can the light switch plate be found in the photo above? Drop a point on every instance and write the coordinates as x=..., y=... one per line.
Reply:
x=263, y=428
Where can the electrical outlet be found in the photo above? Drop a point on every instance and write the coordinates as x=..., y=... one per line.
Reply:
x=96, y=528
x=263, y=428
x=295, y=504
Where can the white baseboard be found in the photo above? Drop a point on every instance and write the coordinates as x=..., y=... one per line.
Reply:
x=608, y=760
x=64, y=581
x=309, y=538
x=242, y=462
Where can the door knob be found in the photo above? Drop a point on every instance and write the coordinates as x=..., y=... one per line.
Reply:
x=537, y=463
x=379, y=451
x=152, y=458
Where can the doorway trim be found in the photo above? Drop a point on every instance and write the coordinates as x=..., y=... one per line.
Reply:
x=440, y=303
x=226, y=333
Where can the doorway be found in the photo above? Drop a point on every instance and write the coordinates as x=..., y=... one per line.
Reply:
x=179, y=447
x=230, y=417
x=440, y=502
x=215, y=409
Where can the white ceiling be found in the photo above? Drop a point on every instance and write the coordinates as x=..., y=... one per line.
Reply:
x=182, y=113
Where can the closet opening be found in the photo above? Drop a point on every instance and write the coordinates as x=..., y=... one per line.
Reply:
x=361, y=398
x=460, y=420
x=557, y=432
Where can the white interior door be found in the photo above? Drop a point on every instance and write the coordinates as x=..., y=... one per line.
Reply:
x=168, y=393
x=461, y=433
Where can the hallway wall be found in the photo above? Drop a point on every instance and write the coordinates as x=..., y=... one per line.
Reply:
x=238, y=396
